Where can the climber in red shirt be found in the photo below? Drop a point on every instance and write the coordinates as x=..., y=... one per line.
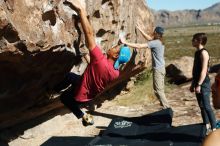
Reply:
x=99, y=73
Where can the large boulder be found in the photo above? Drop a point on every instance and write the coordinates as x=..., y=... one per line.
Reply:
x=215, y=68
x=41, y=41
x=180, y=70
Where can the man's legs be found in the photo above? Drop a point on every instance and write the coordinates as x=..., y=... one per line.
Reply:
x=68, y=100
x=158, y=85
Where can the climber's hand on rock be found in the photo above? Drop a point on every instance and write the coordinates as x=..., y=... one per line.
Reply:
x=138, y=26
x=75, y=4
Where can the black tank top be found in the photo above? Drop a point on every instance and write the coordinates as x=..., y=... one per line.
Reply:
x=197, y=66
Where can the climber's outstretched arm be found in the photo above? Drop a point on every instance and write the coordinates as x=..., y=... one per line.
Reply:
x=86, y=26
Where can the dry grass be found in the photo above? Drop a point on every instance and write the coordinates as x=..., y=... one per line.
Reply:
x=178, y=42
x=142, y=92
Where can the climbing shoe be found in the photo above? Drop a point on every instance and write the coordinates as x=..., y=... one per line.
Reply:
x=87, y=120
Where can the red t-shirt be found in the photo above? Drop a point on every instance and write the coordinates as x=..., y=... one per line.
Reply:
x=98, y=74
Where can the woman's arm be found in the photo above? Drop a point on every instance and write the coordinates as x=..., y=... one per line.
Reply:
x=146, y=36
x=134, y=45
x=205, y=60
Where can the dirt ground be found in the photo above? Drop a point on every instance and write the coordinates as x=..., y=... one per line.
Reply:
x=62, y=124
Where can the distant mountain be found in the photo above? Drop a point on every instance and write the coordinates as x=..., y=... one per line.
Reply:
x=210, y=15
x=214, y=8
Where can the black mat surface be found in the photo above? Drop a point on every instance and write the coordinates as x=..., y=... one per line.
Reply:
x=188, y=135
x=136, y=126
x=150, y=130
x=68, y=141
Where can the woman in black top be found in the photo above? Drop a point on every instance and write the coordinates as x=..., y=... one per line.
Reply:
x=201, y=82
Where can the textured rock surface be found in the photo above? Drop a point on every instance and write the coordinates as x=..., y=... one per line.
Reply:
x=40, y=43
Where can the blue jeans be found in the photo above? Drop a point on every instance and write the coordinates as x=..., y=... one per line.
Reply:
x=203, y=99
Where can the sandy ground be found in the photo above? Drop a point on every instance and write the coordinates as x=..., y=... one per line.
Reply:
x=60, y=126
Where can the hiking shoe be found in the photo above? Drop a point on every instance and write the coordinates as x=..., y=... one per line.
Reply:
x=208, y=131
x=87, y=120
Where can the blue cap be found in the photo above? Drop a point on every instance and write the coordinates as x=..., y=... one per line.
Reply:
x=124, y=56
x=159, y=30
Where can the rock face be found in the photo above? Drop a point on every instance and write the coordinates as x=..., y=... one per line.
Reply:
x=166, y=18
x=41, y=41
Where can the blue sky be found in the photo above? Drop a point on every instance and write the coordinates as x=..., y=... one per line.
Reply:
x=173, y=5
